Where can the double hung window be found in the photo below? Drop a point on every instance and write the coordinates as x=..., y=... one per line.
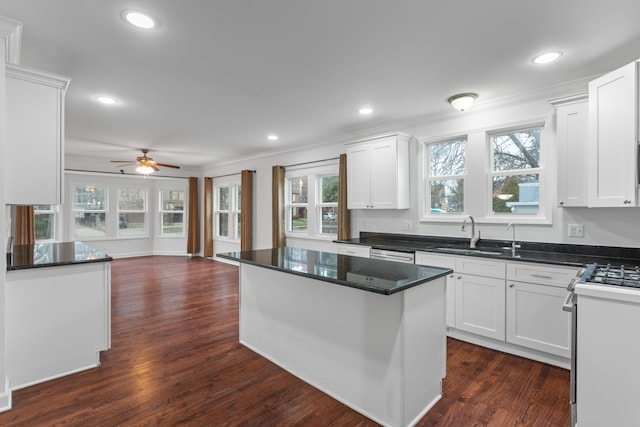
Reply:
x=45, y=222
x=89, y=211
x=445, y=178
x=132, y=211
x=172, y=212
x=515, y=171
x=227, y=211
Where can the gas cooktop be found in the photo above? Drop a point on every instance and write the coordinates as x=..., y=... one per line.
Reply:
x=612, y=275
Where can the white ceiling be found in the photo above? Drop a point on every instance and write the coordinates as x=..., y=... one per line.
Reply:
x=218, y=76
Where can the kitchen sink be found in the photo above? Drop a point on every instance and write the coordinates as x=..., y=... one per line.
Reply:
x=469, y=251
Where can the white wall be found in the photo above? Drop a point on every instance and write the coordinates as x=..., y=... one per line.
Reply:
x=609, y=227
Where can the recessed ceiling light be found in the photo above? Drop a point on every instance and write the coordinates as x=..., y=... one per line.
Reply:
x=272, y=137
x=546, y=58
x=138, y=19
x=106, y=100
x=365, y=110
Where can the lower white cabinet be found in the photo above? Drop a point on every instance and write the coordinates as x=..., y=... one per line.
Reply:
x=443, y=261
x=480, y=305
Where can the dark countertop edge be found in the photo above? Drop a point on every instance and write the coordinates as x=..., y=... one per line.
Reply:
x=56, y=264
x=338, y=281
x=547, y=253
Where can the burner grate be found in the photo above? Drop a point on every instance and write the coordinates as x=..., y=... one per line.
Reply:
x=616, y=275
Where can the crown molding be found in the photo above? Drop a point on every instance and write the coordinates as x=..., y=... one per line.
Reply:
x=11, y=36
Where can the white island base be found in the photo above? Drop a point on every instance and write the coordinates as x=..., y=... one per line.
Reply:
x=381, y=355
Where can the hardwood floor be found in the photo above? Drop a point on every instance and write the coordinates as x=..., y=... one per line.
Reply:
x=175, y=360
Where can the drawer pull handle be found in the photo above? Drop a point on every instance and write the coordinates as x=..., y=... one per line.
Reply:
x=541, y=276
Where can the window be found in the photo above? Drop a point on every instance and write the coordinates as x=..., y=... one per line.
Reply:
x=445, y=177
x=172, y=212
x=515, y=171
x=132, y=211
x=328, y=204
x=311, y=201
x=89, y=211
x=298, y=201
x=45, y=219
x=227, y=213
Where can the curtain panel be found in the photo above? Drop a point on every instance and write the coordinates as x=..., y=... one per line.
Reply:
x=344, y=215
x=25, y=226
x=208, y=217
x=246, y=218
x=277, y=207
x=193, y=224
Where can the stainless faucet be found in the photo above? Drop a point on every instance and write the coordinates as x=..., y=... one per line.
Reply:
x=474, y=239
x=513, y=239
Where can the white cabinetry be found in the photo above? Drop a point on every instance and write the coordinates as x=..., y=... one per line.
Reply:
x=378, y=172
x=443, y=261
x=33, y=166
x=572, y=120
x=353, y=250
x=535, y=293
x=613, y=138
x=480, y=297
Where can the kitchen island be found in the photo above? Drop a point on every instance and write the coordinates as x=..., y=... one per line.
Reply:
x=369, y=333
x=58, y=310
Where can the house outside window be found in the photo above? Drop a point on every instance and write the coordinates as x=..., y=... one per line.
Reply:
x=446, y=173
x=45, y=222
x=89, y=211
x=227, y=211
x=515, y=171
x=172, y=206
x=311, y=201
x=132, y=211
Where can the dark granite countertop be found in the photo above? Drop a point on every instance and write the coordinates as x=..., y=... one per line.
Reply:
x=383, y=277
x=547, y=253
x=53, y=254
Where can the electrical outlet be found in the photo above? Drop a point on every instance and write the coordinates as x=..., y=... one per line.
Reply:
x=407, y=226
x=576, y=230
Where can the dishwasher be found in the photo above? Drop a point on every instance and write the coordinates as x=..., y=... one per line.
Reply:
x=406, y=257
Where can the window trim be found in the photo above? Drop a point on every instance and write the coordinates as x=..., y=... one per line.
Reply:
x=161, y=213
x=425, y=205
x=145, y=211
x=105, y=211
x=233, y=211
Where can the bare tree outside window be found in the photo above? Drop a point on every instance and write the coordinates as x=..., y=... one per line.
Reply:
x=446, y=176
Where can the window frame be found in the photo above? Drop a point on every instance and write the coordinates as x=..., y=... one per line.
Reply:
x=233, y=211
x=53, y=211
x=104, y=210
x=144, y=211
x=161, y=212
x=313, y=205
x=426, y=213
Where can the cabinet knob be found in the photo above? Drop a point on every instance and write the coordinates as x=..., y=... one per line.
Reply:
x=459, y=277
x=561, y=203
x=627, y=202
x=511, y=285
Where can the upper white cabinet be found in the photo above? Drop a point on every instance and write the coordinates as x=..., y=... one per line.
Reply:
x=572, y=133
x=378, y=172
x=33, y=165
x=613, y=139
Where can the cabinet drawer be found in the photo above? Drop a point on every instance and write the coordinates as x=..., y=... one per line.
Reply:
x=543, y=274
x=354, y=250
x=435, y=260
x=480, y=267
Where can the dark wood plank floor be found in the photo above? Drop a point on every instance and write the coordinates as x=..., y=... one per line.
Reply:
x=175, y=360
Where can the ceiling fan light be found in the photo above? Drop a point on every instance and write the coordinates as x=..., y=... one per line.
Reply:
x=144, y=169
x=462, y=101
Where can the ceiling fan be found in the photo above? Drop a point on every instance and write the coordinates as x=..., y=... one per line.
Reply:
x=146, y=165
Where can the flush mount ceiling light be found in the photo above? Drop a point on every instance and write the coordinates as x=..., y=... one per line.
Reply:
x=462, y=101
x=365, y=111
x=138, y=19
x=547, y=57
x=272, y=137
x=106, y=100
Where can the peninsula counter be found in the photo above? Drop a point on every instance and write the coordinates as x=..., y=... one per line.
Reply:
x=369, y=333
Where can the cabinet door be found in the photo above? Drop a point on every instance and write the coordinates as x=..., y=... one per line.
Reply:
x=359, y=183
x=443, y=261
x=384, y=177
x=613, y=139
x=34, y=149
x=535, y=318
x=573, y=135
x=480, y=305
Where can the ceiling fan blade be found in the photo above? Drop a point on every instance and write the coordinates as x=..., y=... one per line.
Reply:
x=164, y=165
x=122, y=161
